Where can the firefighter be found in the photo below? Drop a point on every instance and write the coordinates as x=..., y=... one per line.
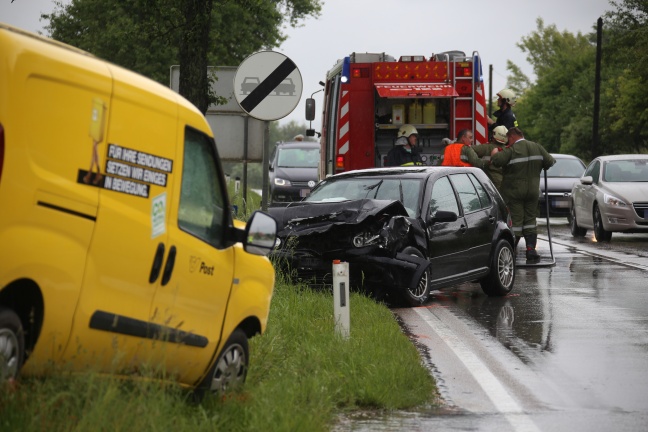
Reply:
x=521, y=162
x=506, y=99
x=461, y=153
x=404, y=151
x=484, y=152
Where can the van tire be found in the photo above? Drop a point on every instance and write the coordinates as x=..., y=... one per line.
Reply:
x=12, y=345
x=230, y=370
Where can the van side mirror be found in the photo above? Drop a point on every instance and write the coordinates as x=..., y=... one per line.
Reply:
x=260, y=234
x=310, y=109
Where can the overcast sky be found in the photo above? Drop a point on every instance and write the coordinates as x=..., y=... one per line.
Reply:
x=397, y=27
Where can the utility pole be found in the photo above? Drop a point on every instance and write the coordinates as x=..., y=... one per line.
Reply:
x=597, y=89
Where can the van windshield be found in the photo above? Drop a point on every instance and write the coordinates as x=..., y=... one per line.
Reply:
x=298, y=158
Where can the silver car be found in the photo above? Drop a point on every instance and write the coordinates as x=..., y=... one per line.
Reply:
x=612, y=196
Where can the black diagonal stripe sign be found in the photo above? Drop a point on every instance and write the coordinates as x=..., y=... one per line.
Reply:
x=264, y=89
x=267, y=85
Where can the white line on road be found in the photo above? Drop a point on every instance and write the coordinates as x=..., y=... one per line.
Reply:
x=496, y=392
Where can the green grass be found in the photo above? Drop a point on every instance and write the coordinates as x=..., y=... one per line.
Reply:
x=302, y=375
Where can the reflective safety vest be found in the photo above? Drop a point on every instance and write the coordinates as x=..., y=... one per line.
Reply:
x=452, y=156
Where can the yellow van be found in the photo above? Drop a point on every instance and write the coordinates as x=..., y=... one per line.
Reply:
x=118, y=251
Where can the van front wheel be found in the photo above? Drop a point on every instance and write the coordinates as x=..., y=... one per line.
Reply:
x=230, y=369
x=12, y=345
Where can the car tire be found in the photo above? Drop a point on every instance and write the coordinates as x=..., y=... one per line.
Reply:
x=422, y=292
x=501, y=277
x=229, y=371
x=600, y=233
x=12, y=345
x=576, y=231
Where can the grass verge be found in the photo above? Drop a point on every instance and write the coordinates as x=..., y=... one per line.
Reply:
x=301, y=376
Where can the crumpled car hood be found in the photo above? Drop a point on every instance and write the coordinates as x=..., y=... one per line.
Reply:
x=303, y=218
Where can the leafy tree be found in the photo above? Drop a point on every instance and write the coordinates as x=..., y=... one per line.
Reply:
x=148, y=36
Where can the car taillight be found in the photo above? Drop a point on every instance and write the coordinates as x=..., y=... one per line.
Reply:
x=2, y=148
x=339, y=162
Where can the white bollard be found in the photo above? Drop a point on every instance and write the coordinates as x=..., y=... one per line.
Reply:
x=341, y=297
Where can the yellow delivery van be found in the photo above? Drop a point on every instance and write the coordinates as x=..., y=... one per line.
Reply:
x=118, y=251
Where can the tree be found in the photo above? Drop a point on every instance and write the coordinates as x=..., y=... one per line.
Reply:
x=148, y=36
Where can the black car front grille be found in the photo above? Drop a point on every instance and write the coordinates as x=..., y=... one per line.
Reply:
x=641, y=208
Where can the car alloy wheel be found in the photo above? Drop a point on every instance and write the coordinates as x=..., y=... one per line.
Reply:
x=600, y=233
x=576, y=231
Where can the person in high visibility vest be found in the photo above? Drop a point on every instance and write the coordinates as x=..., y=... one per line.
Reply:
x=506, y=100
x=521, y=162
x=404, y=151
x=484, y=152
x=460, y=152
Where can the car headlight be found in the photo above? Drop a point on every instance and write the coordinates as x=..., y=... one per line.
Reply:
x=365, y=238
x=281, y=182
x=613, y=201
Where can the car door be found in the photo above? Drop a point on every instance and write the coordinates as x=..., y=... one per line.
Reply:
x=480, y=223
x=197, y=278
x=586, y=195
x=446, y=240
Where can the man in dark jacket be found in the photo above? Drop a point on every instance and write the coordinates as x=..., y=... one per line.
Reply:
x=521, y=162
x=506, y=99
x=404, y=151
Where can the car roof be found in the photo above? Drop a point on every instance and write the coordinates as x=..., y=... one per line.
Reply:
x=623, y=157
x=564, y=156
x=299, y=144
x=413, y=171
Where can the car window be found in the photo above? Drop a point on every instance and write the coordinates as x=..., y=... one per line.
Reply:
x=626, y=171
x=593, y=170
x=484, y=198
x=201, y=212
x=467, y=193
x=298, y=158
x=443, y=197
x=566, y=168
x=404, y=190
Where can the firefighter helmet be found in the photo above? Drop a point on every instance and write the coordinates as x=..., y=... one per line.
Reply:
x=406, y=130
x=499, y=134
x=508, y=95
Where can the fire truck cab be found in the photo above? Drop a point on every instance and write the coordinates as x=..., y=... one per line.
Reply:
x=368, y=97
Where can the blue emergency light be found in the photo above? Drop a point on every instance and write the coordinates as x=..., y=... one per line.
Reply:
x=346, y=70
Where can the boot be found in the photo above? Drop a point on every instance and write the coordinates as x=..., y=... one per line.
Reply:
x=531, y=254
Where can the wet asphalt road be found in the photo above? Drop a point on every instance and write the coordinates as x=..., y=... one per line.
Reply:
x=567, y=350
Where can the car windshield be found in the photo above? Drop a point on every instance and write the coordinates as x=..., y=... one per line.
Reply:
x=626, y=171
x=566, y=168
x=406, y=191
x=298, y=158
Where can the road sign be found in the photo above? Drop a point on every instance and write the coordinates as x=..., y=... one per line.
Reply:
x=268, y=85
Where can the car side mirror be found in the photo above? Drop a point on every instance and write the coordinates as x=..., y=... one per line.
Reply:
x=444, y=216
x=260, y=234
x=587, y=180
x=310, y=109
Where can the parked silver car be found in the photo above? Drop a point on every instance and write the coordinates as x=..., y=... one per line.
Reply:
x=612, y=196
x=561, y=178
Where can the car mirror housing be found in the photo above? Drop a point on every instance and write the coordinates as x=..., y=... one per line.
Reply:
x=444, y=216
x=587, y=180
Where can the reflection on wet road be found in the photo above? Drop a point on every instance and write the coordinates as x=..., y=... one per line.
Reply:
x=566, y=350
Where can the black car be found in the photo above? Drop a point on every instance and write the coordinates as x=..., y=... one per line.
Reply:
x=404, y=231
x=561, y=177
x=293, y=170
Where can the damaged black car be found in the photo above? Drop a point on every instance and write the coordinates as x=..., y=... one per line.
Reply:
x=404, y=231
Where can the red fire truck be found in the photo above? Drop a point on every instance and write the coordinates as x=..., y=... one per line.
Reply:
x=367, y=97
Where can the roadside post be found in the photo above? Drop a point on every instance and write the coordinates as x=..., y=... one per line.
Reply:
x=341, y=298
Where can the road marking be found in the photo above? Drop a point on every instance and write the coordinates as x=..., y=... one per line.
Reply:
x=621, y=258
x=495, y=391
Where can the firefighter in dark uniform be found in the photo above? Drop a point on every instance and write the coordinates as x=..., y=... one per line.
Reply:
x=405, y=151
x=484, y=152
x=506, y=99
x=521, y=162
x=461, y=153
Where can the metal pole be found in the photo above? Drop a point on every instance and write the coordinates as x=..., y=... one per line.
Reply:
x=490, y=90
x=597, y=89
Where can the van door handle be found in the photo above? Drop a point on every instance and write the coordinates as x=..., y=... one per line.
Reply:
x=157, y=263
x=168, y=268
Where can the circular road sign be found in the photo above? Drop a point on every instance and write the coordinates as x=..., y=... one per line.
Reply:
x=268, y=85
